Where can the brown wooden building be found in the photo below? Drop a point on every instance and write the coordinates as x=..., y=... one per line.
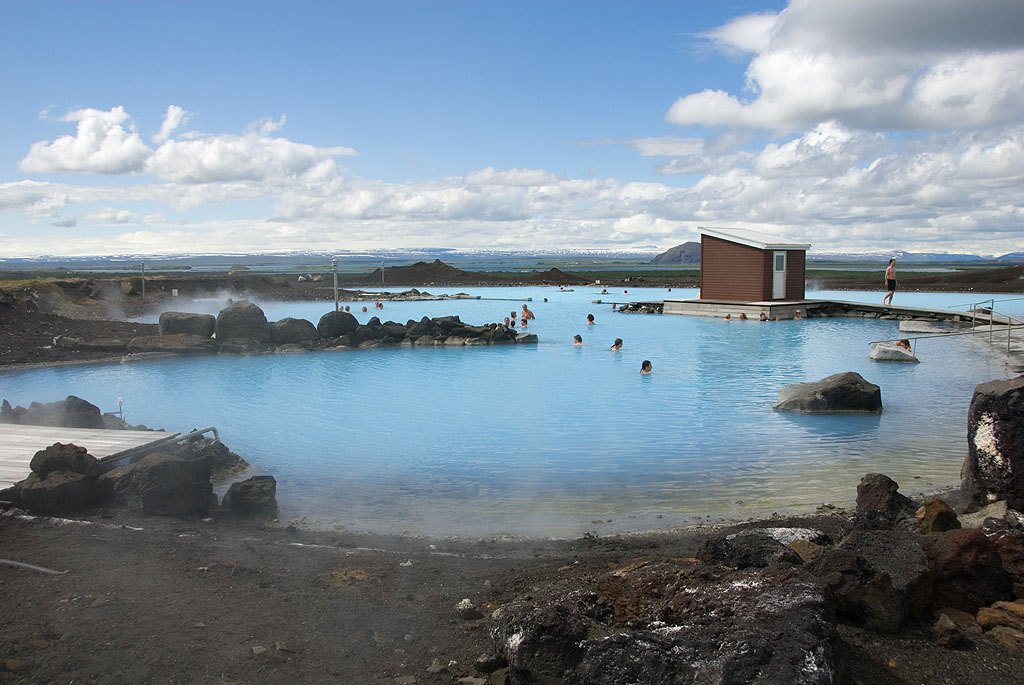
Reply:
x=748, y=266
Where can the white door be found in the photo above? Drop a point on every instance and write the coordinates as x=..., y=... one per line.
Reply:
x=779, y=276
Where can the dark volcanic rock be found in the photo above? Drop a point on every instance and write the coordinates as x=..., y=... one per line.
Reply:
x=61, y=492
x=336, y=324
x=879, y=503
x=663, y=623
x=223, y=462
x=539, y=643
x=165, y=484
x=966, y=570
x=841, y=392
x=291, y=330
x=202, y=325
x=994, y=467
x=243, y=320
x=556, y=277
x=935, y=516
x=177, y=343
x=898, y=555
x=65, y=457
x=747, y=550
x=71, y=412
x=255, y=497
x=244, y=347
x=860, y=593
x=424, y=327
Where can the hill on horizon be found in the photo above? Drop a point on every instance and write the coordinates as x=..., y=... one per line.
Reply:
x=687, y=253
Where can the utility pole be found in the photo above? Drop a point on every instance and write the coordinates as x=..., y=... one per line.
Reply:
x=334, y=268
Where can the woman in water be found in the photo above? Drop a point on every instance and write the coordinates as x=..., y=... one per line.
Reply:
x=617, y=345
x=590, y=319
x=577, y=340
x=645, y=367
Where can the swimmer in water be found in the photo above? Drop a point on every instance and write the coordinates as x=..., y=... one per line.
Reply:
x=590, y=319
x=617, y=345
x=645, y=367
x=577, y=340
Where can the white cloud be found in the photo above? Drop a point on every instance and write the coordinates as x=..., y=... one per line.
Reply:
x=873, y=64
x=747, y=34
x=109, y=215
x=173, y=118
x=101, y=146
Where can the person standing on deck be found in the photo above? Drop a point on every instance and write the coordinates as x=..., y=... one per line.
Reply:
x=890, y=282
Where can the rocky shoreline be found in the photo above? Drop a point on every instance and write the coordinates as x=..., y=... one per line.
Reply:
x=824, y=599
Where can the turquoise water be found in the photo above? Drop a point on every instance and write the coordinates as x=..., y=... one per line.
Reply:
x=555, y=439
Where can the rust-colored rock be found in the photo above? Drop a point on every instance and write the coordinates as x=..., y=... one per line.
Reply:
x=935, y=516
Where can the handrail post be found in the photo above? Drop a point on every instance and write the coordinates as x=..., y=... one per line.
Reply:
x=991, y=318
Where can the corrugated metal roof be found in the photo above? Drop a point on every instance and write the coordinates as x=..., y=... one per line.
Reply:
x=743, y=236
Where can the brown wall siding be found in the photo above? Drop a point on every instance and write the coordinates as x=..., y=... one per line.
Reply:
x=730, y=271
x=795, y=266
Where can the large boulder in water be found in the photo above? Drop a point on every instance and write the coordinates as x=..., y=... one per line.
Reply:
x=243, y=320
x=202, y=325
x=841, y=392
x=994, y=467
x=887, y=352
x=294, y=331
x=336, y=324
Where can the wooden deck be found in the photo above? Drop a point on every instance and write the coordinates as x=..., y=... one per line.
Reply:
x=18, y=444
x=787, y=309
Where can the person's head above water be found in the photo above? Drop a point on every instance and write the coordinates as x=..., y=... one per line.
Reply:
x=617, y=344
x=577, y=340
x=645, y=367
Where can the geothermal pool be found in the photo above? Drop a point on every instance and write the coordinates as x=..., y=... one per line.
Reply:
x=555, y=439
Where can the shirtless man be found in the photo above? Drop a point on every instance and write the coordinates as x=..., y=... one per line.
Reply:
x=890, y=282
x=527, y=314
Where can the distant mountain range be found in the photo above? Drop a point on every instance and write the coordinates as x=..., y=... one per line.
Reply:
x=686, y=253
x=689, y=253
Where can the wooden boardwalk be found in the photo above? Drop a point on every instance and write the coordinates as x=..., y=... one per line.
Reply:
x=18, y=444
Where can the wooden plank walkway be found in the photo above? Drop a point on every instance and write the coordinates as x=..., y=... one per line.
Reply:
x=18, y=444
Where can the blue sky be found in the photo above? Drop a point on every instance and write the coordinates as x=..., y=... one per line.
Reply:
x=856, y=125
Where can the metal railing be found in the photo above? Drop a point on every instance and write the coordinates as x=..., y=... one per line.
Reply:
x=1011, y=324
